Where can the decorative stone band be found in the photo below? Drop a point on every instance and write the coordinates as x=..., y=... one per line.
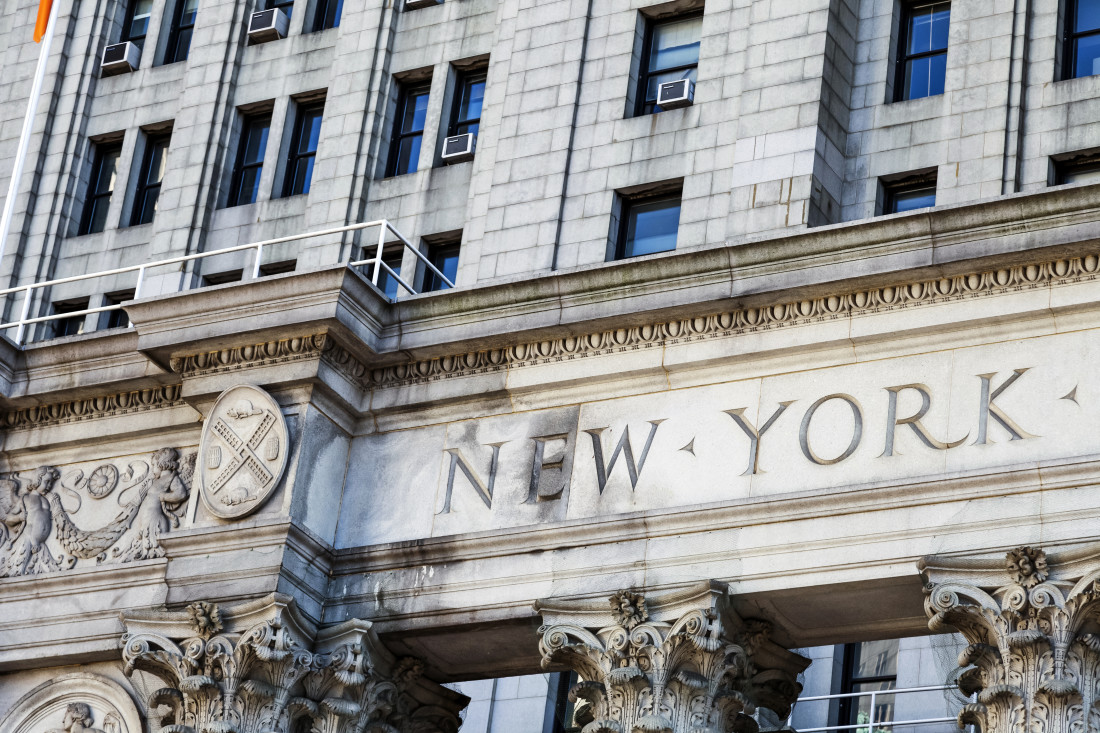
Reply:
x=1034, y=660
x=678, y=662
x=93, y=407
x=243, y=357
x=260, y=667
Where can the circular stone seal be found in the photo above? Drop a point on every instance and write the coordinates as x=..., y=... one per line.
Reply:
x=243, y=452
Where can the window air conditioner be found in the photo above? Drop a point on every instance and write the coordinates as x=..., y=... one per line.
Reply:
x=459, y=149
x=674, y=94
x=120, y=58
x=416, y=4
x=267, y=25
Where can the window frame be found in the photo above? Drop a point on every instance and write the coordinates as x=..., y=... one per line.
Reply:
x=629, y=205
x=128, y=22
x=406, y=92
x=1069, y=42
x=465, y=78
x=60, y=327
x=143, y=187
x=1073, y=163
x=907, y=183
x=172, y=52
x=644, y=73
x=250, y=122
x=91, y=198
x=303, y=110
x=321, y=20
x=847, y=707
x=287, y=6
x=901, y=85
x=437, y=250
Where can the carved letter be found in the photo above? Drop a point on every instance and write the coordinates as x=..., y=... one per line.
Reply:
x=602, y=471
x=857, y=432
x=914, y=422
x=539, y=463
x=987, y=408
x=755, y=435
x=485, y=491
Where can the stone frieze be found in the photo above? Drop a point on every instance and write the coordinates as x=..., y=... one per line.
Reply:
x=89, y=408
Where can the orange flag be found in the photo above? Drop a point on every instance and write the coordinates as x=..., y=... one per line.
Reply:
x=44, y=7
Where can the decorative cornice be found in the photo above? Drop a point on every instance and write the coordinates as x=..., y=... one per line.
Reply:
x=298, y=348
x=738, y=322
x=90, y=408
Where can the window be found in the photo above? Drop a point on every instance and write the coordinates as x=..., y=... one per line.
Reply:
x=245, y=187
x=70, y=326
x=1081, y=44
x=183, y=25
x=444, y=257
x=221, y=278
x=136, y=26
x=150, y=178
x=1080, y=169
x=408, y=129
x=328, y=14
x=118, y=318
x=922, y=50
x=671, y=52
x=387, y=283
x=100, y=187
x=869, y=666
x=912, y=192
x=469, y=97
x=278, y=268
x=647, y=225
x=303, y=149
x=287, y=6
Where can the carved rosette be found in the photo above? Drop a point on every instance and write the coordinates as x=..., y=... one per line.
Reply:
x=693, y=666
x=270, y=678
x=1031, y=661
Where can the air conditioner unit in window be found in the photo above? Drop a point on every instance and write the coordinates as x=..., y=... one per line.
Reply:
x=673, y=94
x=267, y=25
x=415, y=4
x=459, y=149
x=120, y=58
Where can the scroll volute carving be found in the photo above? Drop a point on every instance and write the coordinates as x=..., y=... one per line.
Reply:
x=1034, y=657
x=680, y=662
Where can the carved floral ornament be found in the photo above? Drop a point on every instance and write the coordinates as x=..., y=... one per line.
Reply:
x=129, y=504
x=680, y=662
x=268, y=671
x=1034, y=656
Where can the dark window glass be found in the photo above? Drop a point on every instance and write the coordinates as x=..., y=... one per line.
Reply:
x=118, y=318
x=1082, y=39
x=922, y=51
x=648, y=226
x=869, y=666
x=328, y=14
x=1083, y=169
x=408, y=130
x=100, y=187
x=671, y=52
x=136, y=26
x=278, y=268
x=67, y=326
x=183, y=25
x=469, y=97
x=245, y=188
x=387, y=283
x=909, y=195
x=287, y=6
x=221, y=278
x=444, y=256
x=150, y=178
x=303, y=149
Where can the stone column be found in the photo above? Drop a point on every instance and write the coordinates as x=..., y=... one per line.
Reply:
x=1033, y=659
x=677, y=662
x=259, y=667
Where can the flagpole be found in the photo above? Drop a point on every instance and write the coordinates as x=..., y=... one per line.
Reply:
x=28, y=129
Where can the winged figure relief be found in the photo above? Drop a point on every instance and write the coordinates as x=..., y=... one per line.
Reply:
x=27, y=519
x=159, y=505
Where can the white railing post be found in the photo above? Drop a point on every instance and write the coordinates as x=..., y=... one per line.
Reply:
x=871, y=716
x=140, y=281
x=23, y=316
x=378, y=253
x=256, y=264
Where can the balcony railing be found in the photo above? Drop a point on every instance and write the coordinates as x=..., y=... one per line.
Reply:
x=375, y=266
x=871, y=725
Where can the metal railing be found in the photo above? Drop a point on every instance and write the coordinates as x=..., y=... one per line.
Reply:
x=871, y=724
x=376, y=264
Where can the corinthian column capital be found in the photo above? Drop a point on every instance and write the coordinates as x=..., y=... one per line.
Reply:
x=1033, y=661
x=677, y=662
x=260, y=667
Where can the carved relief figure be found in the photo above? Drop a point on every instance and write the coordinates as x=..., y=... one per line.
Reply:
x=159, y=505
x=28, y=520
x=78, y=719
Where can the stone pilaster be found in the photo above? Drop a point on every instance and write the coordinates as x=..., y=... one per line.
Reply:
x=1034, y=659
x=260, y=667
x=678, y=662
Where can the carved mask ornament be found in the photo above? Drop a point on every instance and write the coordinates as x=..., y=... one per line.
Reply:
x=244, y=452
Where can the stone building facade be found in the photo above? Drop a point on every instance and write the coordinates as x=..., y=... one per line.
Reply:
x=802, y=357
